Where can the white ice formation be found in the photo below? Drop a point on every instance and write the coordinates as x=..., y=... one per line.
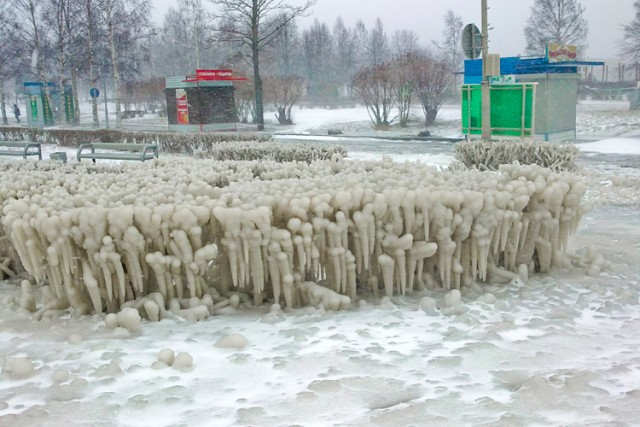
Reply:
x=18, y=367
x=185, y=237
x=489, y=155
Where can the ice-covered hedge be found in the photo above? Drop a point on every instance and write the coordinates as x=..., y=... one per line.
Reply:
x=489, y=155
x=275, y=151
x=170, y=142
x=301, y=233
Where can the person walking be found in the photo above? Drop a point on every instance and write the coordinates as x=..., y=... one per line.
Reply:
x=16, y=112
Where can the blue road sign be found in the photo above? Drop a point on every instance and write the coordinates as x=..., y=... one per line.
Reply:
x=94, y=92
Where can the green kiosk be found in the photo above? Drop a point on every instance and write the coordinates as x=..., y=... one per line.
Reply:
x=532, y=97
x=39, y=109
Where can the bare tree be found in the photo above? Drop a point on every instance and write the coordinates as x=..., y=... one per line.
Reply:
x=361, y=35
x=318, y=53
x=57, y=15
x=346, y=52
x=246, y=22
x=376, y=87
x=126, y=21
x=433, y=81
x=555, y=21
x=28, y=14
x=175, y=55
x=283, y=57
x=197, y=18
x=90, y=27
x=244, y=95
x=378, y=44
x=630, y=43
x=76, y=50
x=450, y=48
x=283, y=92
x=404, y=69
x=404, y=42
x=12, y=50
x=109, y=9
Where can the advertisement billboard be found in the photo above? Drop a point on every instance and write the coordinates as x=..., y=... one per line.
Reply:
x=561, y=52
x=182, y=106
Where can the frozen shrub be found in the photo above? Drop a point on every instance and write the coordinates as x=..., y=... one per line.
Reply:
x=170, y=142
x=489, y=155
x=275, y=151
x=183, y=238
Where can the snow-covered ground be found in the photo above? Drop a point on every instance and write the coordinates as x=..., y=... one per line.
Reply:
x=561, y=349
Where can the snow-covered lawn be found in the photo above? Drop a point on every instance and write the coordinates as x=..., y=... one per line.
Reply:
x=561, y=349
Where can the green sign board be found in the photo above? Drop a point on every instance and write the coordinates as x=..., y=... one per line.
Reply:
x=512, y=109
x=33, y=102
x=69, y=105
x=46, y=108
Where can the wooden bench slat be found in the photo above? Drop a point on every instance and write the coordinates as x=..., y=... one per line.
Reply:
x=15, y=153
x=27, y=149
x=139, y=152
x=115, y=156
x=119, y=147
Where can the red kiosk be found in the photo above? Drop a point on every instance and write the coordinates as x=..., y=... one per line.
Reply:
x=202, y=102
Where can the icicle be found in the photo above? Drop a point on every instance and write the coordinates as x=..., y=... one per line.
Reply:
x=92, y=286
x=386, y=264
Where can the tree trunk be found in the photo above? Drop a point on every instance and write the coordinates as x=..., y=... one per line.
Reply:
x=116, y=70
x=3, y=107
x=39, y=62
x=60, y=112
x=92, y=77
x=76, y=104
x=430, y=114
x=283, y=117
x=255, y=50
x=259, y=98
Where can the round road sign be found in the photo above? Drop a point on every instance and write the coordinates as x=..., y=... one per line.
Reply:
x=471, y=41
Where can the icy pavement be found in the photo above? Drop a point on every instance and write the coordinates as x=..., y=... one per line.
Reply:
x=562, y=349
x=559, y=350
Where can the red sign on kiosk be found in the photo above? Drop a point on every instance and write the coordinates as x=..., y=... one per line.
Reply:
x=214, y=75
x=182, y=105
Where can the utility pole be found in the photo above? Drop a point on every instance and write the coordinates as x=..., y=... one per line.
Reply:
x=486, y=93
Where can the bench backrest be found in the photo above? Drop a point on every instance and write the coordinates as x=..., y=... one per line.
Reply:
x=17, y=144
x=119, y=146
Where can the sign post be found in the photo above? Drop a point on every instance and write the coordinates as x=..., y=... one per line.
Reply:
x=486, y=89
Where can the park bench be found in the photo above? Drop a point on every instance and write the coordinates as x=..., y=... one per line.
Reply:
x=117, y=151
x=22, y=149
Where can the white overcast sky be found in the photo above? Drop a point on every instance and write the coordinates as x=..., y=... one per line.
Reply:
x=425, y=17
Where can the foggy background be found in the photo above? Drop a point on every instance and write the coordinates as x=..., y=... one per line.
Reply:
x=426, y=18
